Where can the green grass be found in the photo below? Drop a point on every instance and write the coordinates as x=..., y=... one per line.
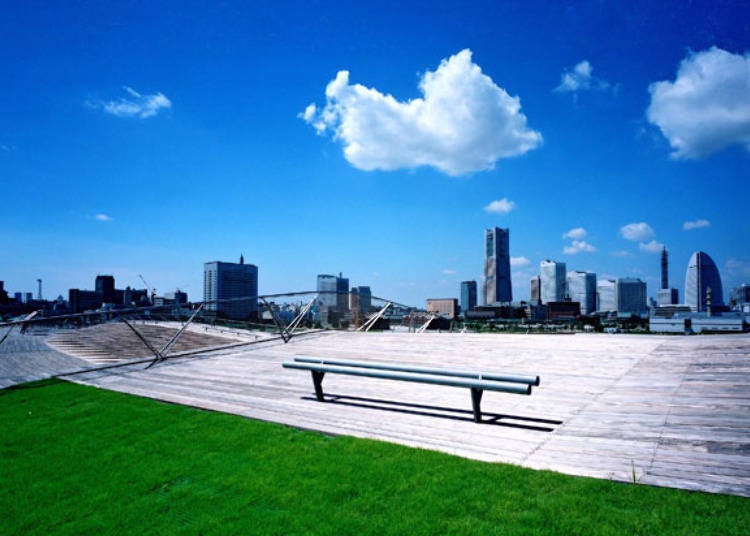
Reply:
x=75, y=459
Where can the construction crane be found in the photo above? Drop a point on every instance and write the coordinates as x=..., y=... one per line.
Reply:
x=153, y=290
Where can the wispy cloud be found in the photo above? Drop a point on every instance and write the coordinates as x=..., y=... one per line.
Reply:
x=448, y=271
x=463, y=123
x=577, y=233
x=651, y=247
x=738, y=270
x=578, y=246
x=136, y=105
x=580, y=78
x=707, y=107
x=519, y=261
x=620, y=253
x=695, y=224
x=102, y=217
x=637, y=232
x=500, y=206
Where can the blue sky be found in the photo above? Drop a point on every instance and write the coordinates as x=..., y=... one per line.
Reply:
x=150, y=137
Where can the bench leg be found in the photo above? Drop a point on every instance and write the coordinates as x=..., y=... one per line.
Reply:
x=476, y=400
x=318, y=383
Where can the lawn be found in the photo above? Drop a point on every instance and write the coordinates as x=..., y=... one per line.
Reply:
x=76, y=459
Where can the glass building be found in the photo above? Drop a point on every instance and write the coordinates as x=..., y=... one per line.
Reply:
x=229, y=281
x=497, y=286
x=606, y=290
x=468, y=295
x=552, y=279
x=631, y=297
x=582, y=289
x=701, y=275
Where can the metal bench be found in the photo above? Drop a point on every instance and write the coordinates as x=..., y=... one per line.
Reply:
x=477, y=382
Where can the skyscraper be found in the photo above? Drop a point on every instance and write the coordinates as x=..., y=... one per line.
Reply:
x=535, y=286
x=582, y=289
x=334, y=292
x=224, y=283
x=606, y=290
x=468, y=295
x=631, y=297
x=701, y=275
x=497, y=286
x=666, y=295
x=552, y=279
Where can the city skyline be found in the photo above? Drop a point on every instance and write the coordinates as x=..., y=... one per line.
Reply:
x=144, y=142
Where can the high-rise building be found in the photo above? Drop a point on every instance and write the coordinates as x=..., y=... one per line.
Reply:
x=606, y=290
x=497, y=285
x=582, y=289
x=535, y=289
x=468, y=295
x=701, y=275
x=327, y=287
x=665, y=295
x=552, y=279
x=631, y=297
x=365, y=298
x=342, y=293
x=105, y=287
x=230, y=289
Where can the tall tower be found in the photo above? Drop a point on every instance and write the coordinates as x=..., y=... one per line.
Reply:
x=664, y=268
x=497, y=285
x=553, y=281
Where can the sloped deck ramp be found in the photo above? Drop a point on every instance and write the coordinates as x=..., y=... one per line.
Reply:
x=671, y=411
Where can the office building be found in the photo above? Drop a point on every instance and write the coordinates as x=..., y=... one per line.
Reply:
x=582, y=289
x=105, y=287
x=552, y=281
x=334, y=293
x=230, y=290
x=468, y=295
x=497, y=285
x=631, y=297
x=363, y=299
x=606, y=290
x=535, y=289
x=702, y=275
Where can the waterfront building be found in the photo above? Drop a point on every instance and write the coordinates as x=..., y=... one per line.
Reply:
x=230, y=290
x=334, y=293
x=552, y=278
x=631, y=297
x=535, y=289
x=497, y=285
x=447, y=307
x=468, y=295
x=582, y=289
x=105, y=287
x=666, y=296
x=606, y=290
x=701, y=275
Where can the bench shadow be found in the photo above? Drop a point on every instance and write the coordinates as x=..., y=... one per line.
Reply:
x=492, y=419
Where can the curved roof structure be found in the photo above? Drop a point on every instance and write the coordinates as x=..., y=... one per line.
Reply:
x=701, y=275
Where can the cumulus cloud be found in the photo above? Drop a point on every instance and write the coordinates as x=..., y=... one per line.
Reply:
x=463, y=122
x=707, y=107
x=651, y=247
x=577, y=233
x=519, y=261
x=637, y=232
x=500, y=206
x=580, y=78
x=102, y=217
x=135, y=105
x=695, y=224
x=578, y=246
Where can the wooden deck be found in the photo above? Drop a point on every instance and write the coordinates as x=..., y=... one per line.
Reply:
x=673, y=410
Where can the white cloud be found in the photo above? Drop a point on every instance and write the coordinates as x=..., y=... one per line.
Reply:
x=577, y=233
x=500, y=206
x=651, y=247
x=620, y=253
x=580, y=78
x=707, y=107
x=578, y=246
x=637, y=232
x=102, y=217
x=696, y=224
x=463, y=122
x=448, y=271
x=136, y=105
x=519, y=261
